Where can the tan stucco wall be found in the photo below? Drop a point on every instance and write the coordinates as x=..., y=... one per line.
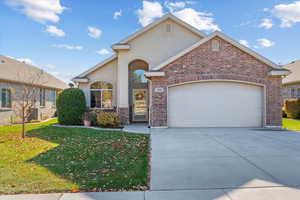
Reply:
x=43, y=112
x=154, y=46
x=106, y=73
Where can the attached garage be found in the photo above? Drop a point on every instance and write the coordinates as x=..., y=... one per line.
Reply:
x=215, y=104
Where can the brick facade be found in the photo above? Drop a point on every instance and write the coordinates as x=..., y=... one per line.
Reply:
x=124, y=115
x=229, y=63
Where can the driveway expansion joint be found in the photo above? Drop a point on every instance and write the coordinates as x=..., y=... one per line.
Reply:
x=247, y=160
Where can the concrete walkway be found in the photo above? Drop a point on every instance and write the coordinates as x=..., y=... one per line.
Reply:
x=269, y=193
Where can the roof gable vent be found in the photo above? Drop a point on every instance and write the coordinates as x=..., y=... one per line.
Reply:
x=215, y=45
x=168, y=28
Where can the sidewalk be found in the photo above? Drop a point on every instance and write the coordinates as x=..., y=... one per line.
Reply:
x=274, y=193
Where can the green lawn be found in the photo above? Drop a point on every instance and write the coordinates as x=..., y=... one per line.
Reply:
x=291, y=124
x=53, y=159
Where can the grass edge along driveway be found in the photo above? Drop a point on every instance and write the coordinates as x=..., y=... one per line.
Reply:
x=291, y=124
x=54, y=159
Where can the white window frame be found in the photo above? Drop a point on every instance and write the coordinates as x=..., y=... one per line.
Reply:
x=10, y=98
x=42, y=97
x=298, y=92
x=101, y=90
x=54, y=95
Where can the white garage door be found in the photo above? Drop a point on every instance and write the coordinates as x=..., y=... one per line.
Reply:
x=215, y=104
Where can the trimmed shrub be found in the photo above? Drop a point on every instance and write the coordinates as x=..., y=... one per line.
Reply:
x=108, y=120
x=292, y=108
x=71, y=106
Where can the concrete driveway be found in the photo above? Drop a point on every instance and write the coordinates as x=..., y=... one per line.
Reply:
x=225, y=159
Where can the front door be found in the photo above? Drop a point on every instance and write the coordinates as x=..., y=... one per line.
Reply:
x=140, y=105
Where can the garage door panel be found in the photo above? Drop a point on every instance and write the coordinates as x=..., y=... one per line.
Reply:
x=215, y=104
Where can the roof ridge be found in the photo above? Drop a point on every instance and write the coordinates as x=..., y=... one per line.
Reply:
x=157, y=22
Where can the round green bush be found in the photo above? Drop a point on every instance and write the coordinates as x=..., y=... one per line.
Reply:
x=71, y=106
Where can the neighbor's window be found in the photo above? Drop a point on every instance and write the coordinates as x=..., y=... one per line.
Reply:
x=53, y=97
x=293, y=92
x=101, y=95
x=5, y=98
x=298, y=92
x=42, y=97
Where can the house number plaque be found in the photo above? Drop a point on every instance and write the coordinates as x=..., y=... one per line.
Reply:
x=159, y=90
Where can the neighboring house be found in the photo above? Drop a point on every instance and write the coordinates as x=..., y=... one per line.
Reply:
x=14, y=75
x=192, y=80
x=291, y=83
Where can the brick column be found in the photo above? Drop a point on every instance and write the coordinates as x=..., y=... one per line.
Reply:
x=124, y=115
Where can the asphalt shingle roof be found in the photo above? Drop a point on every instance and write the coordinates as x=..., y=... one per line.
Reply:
x=294, y=77
x=16, y=71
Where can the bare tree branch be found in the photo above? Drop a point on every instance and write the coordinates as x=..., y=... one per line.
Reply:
x=25, y=94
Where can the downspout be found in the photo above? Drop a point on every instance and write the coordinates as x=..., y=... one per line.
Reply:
x=150, y=103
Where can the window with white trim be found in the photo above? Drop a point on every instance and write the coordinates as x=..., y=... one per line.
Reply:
x=53, y=97
x=5, y=98
x=101, y=95
x=42, y=97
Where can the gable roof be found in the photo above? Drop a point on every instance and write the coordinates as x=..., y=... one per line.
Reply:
x=101, y=64
x=294, y=77
x=162, y=19
x=226, y=38
x=14, y=70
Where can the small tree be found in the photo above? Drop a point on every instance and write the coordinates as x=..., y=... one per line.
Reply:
x=25, y=95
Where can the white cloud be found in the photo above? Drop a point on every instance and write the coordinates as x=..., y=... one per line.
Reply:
x=175, y=5
x=117, y=14
x=25, y=60
x=289, y=14
x=244, y=42
x=50, y=66
x=68, y=47
x=266, y=23
x=65, y=76
x=266, y=9
x=103, y=52
x=54, y=31
x=200, y=20
x=94, y=32
x=265, y=42
x=39, y=10
x=149, y=12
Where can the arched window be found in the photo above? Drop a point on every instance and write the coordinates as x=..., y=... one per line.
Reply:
x=138, y=76
x=101, y=95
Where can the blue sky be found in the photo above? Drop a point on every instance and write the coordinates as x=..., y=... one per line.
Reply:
x=66, y=37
